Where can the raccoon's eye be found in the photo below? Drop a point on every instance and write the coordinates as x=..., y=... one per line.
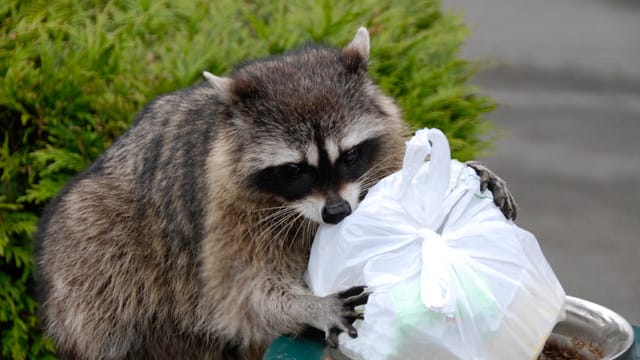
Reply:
x=355, y=162
x=290, y=170
x=352, y=156
x=290, y=180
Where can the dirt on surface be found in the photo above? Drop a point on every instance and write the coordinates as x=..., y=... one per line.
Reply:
x=578, y=350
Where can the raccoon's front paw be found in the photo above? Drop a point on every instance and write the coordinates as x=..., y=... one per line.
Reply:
x=340, y=313
x=501, y=195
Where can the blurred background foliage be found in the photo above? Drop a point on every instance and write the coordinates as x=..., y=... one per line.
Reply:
x=73, y=73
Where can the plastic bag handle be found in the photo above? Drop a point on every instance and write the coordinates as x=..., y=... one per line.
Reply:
x=437, y=292
x=425, y=142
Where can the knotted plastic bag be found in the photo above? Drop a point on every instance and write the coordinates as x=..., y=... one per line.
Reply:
x=451, y=277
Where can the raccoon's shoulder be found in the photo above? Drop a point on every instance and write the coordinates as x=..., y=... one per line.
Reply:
x=181, y=119
x=190, y=103
x=167, y=130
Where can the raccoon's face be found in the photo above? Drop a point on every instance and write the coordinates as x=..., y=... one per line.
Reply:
x=315, y=132
x=325, y=182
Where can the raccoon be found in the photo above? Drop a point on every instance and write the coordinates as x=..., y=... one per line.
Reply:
x=188, y=238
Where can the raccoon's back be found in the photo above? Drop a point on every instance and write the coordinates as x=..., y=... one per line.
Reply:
x=156, y=168
x=116, y=250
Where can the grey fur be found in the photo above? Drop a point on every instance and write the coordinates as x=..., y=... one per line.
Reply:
x=165, y=248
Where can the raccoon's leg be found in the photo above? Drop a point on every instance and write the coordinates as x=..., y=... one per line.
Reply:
x=259, y=305
x=332, y=314
x=501, y=195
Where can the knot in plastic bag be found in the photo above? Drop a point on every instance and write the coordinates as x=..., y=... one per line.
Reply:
x=437, y=291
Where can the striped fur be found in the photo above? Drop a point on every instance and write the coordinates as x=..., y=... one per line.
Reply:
x=169, y=246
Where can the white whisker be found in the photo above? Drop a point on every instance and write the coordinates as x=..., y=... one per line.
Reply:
x=294, y=238
x=272, y=221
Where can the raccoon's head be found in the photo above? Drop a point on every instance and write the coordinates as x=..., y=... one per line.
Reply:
x=312, y=132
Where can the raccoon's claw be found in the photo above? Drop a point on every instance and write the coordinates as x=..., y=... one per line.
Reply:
x=334, y=332
x=356, y=295
x=501, y=195
x=347, y=301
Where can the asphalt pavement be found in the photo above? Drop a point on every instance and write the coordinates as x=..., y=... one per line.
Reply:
x=567, y=76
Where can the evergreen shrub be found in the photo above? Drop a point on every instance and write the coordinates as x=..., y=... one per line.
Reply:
x=74, y=72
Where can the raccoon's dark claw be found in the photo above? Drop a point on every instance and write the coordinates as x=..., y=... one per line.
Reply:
x=334, y=332
x=355, y=296
x=348, y=300
x=347, y=326
x=501, y=195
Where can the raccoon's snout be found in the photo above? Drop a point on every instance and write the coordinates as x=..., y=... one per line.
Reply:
x=334, y=212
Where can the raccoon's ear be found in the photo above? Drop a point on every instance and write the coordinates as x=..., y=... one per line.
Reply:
x=243, y=88
x=220, y=84
x=356, y=54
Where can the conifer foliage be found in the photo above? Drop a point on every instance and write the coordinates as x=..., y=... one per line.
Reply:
x=73, y=73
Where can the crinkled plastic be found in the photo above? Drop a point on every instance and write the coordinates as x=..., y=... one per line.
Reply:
x=451, y=277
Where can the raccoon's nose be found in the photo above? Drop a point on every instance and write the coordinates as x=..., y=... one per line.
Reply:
x=334, y=212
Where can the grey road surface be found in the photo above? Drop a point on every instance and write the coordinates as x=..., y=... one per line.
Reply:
x=567, y=77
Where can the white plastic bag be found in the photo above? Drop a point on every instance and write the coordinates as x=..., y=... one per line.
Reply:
x=451, y=277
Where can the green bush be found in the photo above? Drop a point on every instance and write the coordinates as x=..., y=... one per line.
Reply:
x=73, y=73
